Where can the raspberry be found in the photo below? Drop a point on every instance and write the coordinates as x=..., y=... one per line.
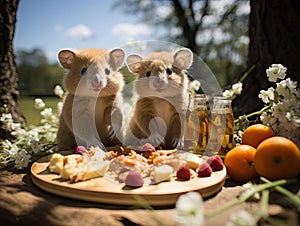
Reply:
x=80, y=150
x=183, y=173
x=215, y=163
x=134, y=179
x=204, y=170
x=148, y=147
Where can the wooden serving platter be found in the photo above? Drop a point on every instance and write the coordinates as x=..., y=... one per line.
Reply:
x=104, y=190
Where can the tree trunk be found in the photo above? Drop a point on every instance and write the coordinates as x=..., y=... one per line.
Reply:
x=274, y=33
x=8, y=76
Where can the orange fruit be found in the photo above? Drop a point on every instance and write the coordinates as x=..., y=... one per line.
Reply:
x=239, y=163
x=277, y=158
x=256, y=133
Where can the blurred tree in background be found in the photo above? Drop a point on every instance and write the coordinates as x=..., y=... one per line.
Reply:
x=215, y=30
x=274, y=38
x=37, y=77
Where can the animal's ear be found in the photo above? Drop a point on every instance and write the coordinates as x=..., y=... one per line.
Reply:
x=116, y=58
x=134, y=63
x=66, y=57
x=183, y=58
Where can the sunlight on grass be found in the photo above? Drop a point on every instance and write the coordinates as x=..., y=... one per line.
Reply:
x=31, y=114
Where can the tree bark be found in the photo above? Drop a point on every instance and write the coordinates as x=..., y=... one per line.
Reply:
x=274, y=32
x=8, y=76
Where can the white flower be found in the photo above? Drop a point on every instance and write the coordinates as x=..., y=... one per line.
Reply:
x=59, y=91
x=241, y=218
x=229, y=93
x=47, y=113
x=7, y=121
x=9, y=148
x=19, y=133
x=237, y=88
x=194, y=86
x=34, y=134
x=35, y=146
x=248, y=188
x=276, y=71
x=39, y=103
x=189, y=209
x=22, y=159
x=286, y=88
x=267, y=95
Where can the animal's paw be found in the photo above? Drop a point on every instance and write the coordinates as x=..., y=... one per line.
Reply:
x=111, y=135
x=177, y=142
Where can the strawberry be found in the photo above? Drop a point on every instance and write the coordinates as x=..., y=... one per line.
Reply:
x=134, y=179
x=80, y=150
x=148, y=147
x=215, y=163
x=183, y=173
x=204, y=170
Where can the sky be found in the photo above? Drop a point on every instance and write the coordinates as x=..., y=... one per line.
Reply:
x=56, y=24
x=52, y=25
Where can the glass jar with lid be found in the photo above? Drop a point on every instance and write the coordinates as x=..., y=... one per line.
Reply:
x=221, y=138
x=197, y=124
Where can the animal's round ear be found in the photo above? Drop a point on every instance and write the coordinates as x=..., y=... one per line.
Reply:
x=65, y=58
x=183, y=58
x=134, y=62
x=116, y=58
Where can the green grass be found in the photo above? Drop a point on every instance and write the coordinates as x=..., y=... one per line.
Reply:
x=31, y=114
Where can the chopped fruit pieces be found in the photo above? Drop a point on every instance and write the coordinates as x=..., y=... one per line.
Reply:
x=134, y=179
x=204, y=170
x=215, y=163
x=162, y=173
x=183, y=173
x=80, y=150
x=148, y=147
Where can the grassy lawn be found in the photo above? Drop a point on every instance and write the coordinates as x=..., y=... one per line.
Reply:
x=31, y=114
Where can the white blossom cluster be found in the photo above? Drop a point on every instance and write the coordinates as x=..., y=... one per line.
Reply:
x=236, y=89
x=189, y=210
x=193, y=86
x=282, y=112
x=29, y=141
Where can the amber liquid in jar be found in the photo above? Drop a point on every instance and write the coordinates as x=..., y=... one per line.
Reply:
x=203, y=126
x=221, y=128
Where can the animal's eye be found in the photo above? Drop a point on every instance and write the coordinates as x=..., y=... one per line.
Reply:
x=83, y=71
x=169, y=71
x=107, y=71
x=148, y=74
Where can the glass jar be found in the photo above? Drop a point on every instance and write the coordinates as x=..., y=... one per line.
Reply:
x=200, y=106
x=197, y=124
x=221, y=127
x=190, y=133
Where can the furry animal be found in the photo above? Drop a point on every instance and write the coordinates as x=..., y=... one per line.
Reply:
x=92, y=110
x=161, y=86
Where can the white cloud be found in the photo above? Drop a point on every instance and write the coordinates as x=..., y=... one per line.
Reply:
x=163, y=11
x=58, y=28
x=129, y=30
x=79, y=31
x=51, y=56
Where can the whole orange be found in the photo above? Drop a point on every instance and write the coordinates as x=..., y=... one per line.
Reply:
x=256, y=133
x=277, y=158
x=239, y=163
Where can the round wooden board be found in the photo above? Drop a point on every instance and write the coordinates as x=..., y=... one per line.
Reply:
x=103, y=190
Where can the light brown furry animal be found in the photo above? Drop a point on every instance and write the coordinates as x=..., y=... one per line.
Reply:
x=161, y=86
x=92, y=110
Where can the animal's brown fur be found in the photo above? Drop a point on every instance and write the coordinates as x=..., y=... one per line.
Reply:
x=162, y=102
x=91, y=101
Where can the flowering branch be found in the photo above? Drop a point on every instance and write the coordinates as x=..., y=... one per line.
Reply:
x=30, y=141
